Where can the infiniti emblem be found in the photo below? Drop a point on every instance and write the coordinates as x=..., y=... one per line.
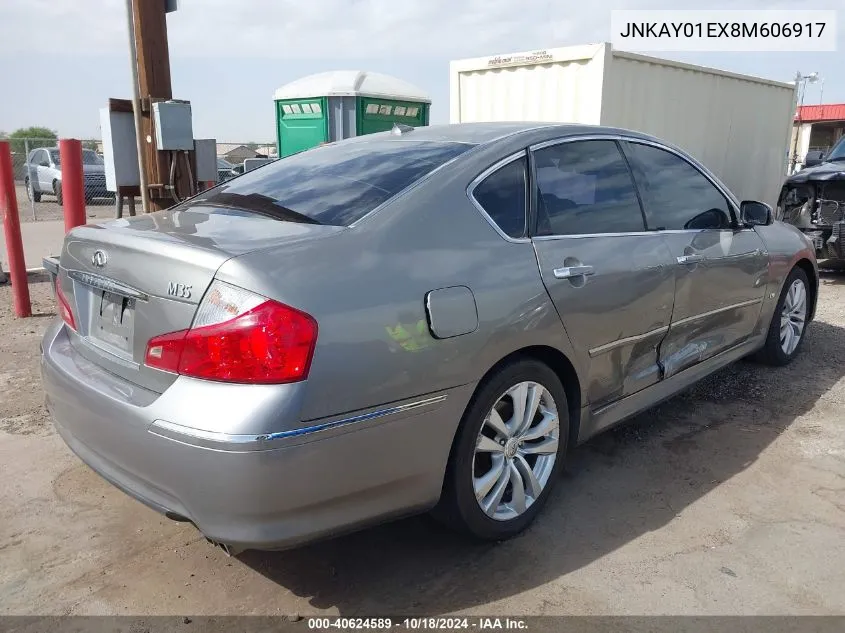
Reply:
x=99, y=259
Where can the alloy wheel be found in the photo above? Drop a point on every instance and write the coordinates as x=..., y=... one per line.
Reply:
x=515, y=451
x=793, y=316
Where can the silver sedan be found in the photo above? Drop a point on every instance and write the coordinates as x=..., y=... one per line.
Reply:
x=423, y=319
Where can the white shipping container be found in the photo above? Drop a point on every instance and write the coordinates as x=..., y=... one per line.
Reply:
x=739, y=126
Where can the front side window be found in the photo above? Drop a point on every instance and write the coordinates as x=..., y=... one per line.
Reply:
x=502, y=195
x=334, y=184
x=676, y=196
x=585, y=187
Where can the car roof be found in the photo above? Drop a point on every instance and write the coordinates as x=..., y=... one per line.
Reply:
x=484, y=133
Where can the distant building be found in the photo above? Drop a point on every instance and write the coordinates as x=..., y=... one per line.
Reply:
x=817, y=128
x=239, y=154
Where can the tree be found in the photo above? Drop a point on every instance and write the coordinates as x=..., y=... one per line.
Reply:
x=253, y=146
x=32, y=137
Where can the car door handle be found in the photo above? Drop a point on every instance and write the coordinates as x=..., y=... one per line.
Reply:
x=568, y=272
x=690, y=259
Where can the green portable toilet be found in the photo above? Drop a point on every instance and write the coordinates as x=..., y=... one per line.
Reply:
x=331, y=106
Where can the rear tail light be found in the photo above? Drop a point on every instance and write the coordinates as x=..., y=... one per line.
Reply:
x=238, y=336
x=64, y=306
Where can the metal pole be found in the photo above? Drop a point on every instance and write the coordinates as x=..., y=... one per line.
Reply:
x=31, y=186
x=12, y=231
x=73, y=182
x=798, y=123
x=136, y=109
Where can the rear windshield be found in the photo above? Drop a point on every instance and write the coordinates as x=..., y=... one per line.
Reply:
x=333, y=184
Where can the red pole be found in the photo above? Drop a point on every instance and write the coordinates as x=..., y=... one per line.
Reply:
x=12, y=230
x=73, y=183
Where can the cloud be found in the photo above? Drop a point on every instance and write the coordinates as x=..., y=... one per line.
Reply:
x=327, y=29
x=332, y=29
x=297, y=29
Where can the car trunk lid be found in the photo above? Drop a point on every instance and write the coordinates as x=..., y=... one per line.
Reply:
x=132, y=279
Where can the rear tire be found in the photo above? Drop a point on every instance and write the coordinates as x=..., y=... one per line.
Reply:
x=789, y=322
x=504, y=466
x=57, y=190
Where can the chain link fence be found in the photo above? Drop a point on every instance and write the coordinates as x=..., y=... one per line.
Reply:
x=38, y=178
x=37, y=168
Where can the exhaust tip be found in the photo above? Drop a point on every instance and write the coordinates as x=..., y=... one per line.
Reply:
x=229, y=550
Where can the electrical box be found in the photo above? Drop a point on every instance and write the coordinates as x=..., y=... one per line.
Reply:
x=120, y=152
x=173, y=127
x=206, y=154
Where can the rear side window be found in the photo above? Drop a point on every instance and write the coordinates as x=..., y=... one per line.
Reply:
x=675, y=194
x=585, y=187
x=502, y=195
x=333, y=184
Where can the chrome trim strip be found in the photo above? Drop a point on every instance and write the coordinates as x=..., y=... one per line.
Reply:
x=755, y=253
x=260, y=441
x=704, y=315
x=104, y=283
x=480, y=178
x=601, y=349
x=545, y=238
x=579, y=137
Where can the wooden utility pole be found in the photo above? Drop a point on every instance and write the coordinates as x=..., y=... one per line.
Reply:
x=149, y=17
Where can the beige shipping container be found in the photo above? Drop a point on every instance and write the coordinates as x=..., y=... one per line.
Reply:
x=737, y=125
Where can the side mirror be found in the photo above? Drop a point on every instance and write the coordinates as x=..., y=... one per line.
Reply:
x=813, y=158
x=753, y=213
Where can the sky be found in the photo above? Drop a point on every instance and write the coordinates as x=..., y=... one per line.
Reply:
x=60, y=60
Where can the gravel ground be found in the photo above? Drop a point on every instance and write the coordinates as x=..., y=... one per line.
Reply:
x=47, y=209
x=727, y=499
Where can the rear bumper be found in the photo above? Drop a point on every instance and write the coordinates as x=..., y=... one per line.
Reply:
x=260, y=491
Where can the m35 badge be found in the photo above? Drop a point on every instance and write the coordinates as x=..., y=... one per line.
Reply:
x=180, y=291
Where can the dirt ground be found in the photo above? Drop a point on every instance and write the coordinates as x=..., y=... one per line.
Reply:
x=728, y=499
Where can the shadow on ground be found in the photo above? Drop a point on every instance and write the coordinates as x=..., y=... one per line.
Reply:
x=617, y=487
x=832, y=273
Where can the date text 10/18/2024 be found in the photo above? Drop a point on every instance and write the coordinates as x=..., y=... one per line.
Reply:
x=419, y=623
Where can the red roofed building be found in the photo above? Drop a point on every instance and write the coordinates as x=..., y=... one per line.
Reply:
x=817, y=127
x=823, y=112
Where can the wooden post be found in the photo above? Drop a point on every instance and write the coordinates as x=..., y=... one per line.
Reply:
x=151, y=46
